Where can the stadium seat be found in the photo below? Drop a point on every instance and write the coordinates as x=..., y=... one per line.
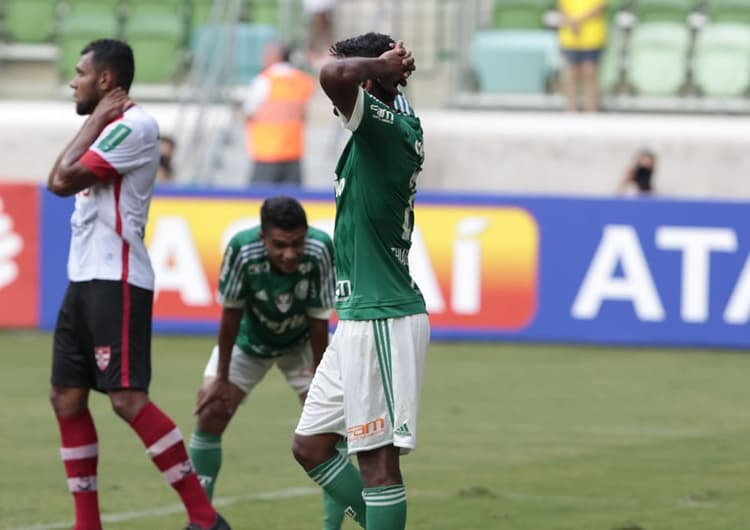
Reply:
x=737, y=11
x=210, y=45
x=263, y=12
x=156, y=31
x=520, y=14
x=514, y=61
x=200, y=12
x=30, y=20
x=612, y=61
x=722, y=60
x=82, y=22
x=658, y=58
x=664, y=10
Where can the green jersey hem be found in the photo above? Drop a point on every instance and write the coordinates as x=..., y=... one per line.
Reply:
x=374, y=313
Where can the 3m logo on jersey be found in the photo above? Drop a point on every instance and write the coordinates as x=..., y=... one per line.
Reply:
x=382, y=114
x=114, y=138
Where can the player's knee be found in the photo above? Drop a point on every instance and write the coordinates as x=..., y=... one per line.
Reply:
x=128, y=404
x=66, y=402
x=303, y=451
x=214, y=418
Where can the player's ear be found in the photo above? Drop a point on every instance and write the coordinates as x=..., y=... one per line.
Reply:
x=106, y=80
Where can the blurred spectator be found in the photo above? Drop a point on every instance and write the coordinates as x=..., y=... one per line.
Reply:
x=639, y=176
x=275, y=113
x=166, y=153
x=319, y=14
x=583, y=35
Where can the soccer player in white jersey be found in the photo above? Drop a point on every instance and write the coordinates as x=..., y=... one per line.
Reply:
x=102, y=337
x=368, y=384
x=277, y=291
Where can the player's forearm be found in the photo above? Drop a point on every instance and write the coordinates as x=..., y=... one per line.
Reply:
x=65, y=178
x=229, y=328
x=352, y=72
x=342, y=78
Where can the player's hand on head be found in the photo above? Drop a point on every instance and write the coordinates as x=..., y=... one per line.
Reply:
x=399, y=64
x=112, y=104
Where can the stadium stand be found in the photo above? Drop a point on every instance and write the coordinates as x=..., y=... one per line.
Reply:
x=30, y=20
x=521, y=14
x=722, y=60
x=659, y=58
x=737, y=11
x=156, y=31
x=664, y=10
x=514, y=61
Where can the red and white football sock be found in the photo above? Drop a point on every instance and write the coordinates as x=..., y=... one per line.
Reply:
x=165, y=445
x=80, y=454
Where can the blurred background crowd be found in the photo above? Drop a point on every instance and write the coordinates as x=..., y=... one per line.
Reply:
x=494, y=78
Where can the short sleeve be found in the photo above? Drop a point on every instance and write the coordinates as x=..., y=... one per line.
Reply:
x=372, y=119
x=321, y=295
x=118, y=150
x=232, y=278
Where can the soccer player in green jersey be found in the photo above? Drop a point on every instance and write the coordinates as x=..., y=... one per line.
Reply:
x=368, y=384
x=276, y=286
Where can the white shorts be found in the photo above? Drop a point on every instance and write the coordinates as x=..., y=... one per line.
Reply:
x=246, y=371
x=368, y=384
x=318, y=6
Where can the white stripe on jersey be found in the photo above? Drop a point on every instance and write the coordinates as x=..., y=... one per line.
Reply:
x=233, y=286
x=319, y=251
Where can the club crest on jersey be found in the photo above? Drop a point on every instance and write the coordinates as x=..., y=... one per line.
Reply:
x=283, y=301
x=102, y=354
x=301, y=289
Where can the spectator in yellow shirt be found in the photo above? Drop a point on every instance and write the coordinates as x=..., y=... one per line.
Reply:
x=583, y=35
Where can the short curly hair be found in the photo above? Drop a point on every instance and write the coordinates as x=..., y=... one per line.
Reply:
x=368, y=45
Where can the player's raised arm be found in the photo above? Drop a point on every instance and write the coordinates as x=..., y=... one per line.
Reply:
x=69, y=175
x=342, y=78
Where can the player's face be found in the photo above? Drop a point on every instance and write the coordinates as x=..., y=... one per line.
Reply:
x=285, y=247
x=84, y=85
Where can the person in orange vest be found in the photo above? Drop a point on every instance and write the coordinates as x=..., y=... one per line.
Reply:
x=275, y=112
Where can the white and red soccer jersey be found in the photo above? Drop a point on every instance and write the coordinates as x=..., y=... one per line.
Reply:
x=109, y=220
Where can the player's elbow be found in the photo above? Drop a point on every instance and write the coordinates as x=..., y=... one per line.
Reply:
x=58, y=185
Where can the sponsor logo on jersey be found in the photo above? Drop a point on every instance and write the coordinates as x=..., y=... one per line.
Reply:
x=301, y=289
x=364, y=430
x=382, y=114
x=102, y=354
x=305, y=268
x=114, y=138
x=343, y=289
x=280, y=327
x=258, y=268
x=340, y=184
x=283, y=301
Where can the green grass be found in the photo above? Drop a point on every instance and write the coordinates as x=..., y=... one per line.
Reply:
x=516, y=437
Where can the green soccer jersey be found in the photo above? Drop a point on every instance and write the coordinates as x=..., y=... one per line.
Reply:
x=376, y=181
x=276, y=306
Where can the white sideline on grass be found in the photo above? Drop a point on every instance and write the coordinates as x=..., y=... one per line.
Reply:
x=177, y=508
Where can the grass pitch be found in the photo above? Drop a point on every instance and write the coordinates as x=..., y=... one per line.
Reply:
x=516, y=437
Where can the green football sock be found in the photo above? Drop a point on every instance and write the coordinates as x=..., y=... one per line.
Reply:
x=386, y=507
x=333, y=513
x=341, y=480
x=205, y=453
